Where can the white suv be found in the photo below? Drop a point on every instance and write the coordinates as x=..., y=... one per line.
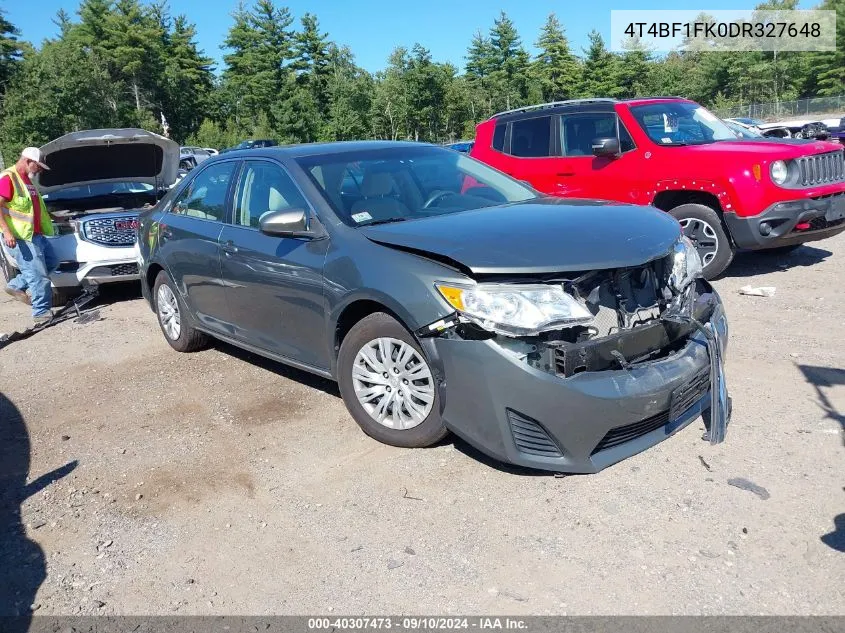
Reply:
x=97, y=182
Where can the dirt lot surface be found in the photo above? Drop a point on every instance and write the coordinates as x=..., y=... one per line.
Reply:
x=137, y=480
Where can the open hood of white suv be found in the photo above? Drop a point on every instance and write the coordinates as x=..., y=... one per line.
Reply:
x=109, y=155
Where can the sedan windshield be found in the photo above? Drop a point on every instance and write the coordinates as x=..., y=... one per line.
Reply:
x=405, y=183
x=680, y=123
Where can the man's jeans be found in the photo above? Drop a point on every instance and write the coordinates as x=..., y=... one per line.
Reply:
x=35, y=261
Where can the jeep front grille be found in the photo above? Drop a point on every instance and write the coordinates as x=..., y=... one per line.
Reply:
x=107, y=232
x=821, y=169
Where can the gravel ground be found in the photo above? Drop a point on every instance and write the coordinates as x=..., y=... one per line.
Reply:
x=136, y=480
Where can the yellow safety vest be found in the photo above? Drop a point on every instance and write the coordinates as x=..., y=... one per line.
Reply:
x=20, y=208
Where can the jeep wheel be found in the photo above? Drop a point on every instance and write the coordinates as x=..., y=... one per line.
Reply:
x=703, y=226
x=387, y=384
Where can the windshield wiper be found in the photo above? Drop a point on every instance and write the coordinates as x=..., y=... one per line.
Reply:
x=384, y=221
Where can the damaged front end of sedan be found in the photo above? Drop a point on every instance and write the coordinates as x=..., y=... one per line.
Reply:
x=611, y=320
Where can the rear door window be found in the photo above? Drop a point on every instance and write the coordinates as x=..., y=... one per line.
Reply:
x=578, y=131
x=499, y=137
x=531, y=138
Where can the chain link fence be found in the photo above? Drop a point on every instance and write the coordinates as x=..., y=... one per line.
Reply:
x=833, y=106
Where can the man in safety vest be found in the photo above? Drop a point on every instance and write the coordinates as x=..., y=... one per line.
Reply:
x=24, y=222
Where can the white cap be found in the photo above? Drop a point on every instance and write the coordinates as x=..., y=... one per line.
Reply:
x=34, y=154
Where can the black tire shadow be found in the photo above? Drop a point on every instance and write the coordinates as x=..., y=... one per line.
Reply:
x=836, y=539
x=280, y=369
x=22, y=563
x=752, y=263
x=821, y=377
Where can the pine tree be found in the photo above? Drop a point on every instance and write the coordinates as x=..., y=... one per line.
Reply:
x=635, y=69
x=257, y=68
x=601, y=70
x=187, y=80
x=510, y=76
x=10, y=51
x=350, y=94
x=556, y=69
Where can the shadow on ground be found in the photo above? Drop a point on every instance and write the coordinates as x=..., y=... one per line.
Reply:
x=752, y=263
x=821, y=378
x=280, y=369
x=22, y=562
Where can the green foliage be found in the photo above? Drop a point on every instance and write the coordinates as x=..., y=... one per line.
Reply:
x=556, y=69
x=118, y=63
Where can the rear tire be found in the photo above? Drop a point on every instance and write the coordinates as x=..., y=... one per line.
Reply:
x=704, y=227
x=173, y=318
x=383, y=373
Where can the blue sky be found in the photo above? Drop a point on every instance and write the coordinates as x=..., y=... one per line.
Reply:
x=372, y=28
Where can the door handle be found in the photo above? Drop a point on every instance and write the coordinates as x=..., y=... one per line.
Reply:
x=229, y=248
x=566, y=173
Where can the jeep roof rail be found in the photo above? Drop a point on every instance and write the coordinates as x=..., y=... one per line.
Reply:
x=552, y=104
x=655, y=97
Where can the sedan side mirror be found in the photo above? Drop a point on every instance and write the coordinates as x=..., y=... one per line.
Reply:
x=286, y=223
x=606, y=147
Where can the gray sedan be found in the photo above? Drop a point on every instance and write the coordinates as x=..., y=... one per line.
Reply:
x=442, y=295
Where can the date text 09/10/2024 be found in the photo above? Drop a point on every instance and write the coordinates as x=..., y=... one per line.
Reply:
x=416, y=624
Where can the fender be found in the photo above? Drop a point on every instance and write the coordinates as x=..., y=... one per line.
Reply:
x=723, y=195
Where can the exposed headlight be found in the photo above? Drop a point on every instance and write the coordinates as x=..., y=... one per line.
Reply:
x=779, y=172
x=516, y=310
x=686, y=264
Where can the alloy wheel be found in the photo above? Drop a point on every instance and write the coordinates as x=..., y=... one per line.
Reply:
x=393, y=383
x=168, y=312
x=703, y=237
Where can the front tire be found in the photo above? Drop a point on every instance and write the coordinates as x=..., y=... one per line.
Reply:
x=703, y=226
x=173, y=317
x=387, y=384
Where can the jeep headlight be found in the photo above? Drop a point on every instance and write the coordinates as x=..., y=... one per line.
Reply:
x=686, y=264
x=517, y=309
x=779, y=172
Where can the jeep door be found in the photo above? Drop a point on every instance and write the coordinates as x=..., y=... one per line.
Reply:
x=585, y=175
x=529, y=152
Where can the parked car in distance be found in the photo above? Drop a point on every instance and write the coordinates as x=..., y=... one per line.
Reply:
x=555, y=334
x=251, y=144
x=800, y=128
x=741, y=130
x=97, y=183
x=672, y=153
x=747, y=121
x=460, y=146
x=199, y=154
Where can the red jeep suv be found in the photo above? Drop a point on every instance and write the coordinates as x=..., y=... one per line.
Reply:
x=673, y=154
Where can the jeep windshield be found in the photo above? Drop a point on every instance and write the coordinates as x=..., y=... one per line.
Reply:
x=680, y=123
x=397, y=184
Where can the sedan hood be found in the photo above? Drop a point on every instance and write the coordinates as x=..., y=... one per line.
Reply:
x=112, y=155
x=544, y=236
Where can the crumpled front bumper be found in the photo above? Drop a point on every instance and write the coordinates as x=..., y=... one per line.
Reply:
x=522, y=415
